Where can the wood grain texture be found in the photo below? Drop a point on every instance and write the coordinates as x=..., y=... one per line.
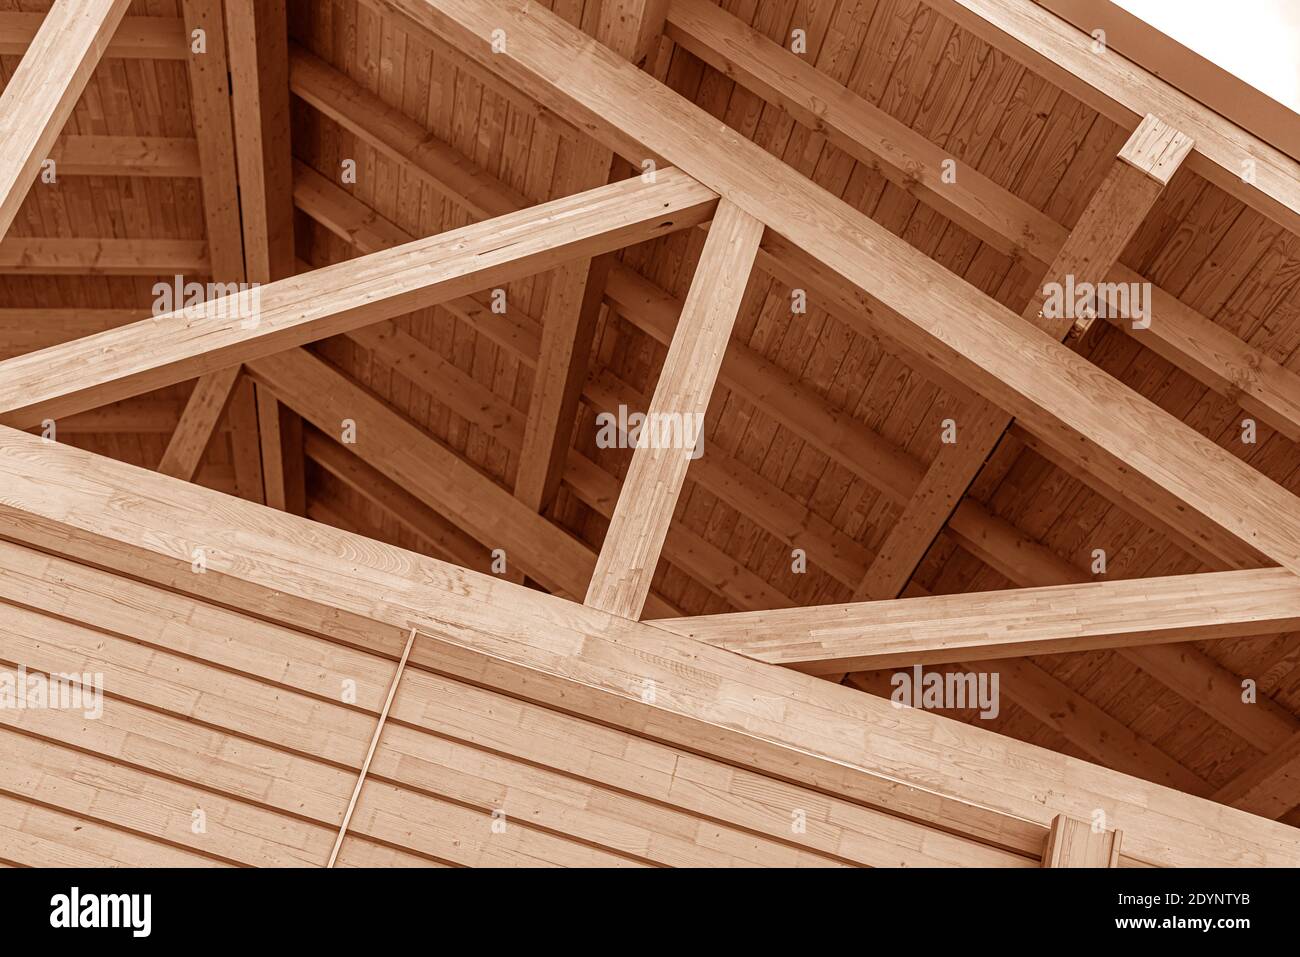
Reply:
x=654, y=479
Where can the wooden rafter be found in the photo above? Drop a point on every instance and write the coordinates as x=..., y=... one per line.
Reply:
x=658, y=470
x=40, y=95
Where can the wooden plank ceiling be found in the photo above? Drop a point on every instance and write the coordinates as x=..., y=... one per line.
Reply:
x=825, y=477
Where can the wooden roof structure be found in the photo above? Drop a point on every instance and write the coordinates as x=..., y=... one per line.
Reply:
x=341, y=535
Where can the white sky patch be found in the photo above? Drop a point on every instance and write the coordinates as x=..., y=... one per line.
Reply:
x=1257, y=41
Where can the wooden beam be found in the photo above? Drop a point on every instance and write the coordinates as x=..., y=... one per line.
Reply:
x=575, y=294
x=235, y=328
x=211, y=107
x=1024, y=621
x=1076, y=843
x=26, y=330
x=1016, y=366
x=1131, y=186
x=136, y=38
x=1208, y=353
x=654, y=479
x=39, y=97
x=153, y=156
x=631, y=27
x=198, y=422
x=1271, y=786
x=282, y=568
x=259, y=85
x=398, y=137
x=569, y=319
x=27, y=256
x=259, y=82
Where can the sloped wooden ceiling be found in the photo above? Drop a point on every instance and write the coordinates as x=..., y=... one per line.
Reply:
x=819, y=430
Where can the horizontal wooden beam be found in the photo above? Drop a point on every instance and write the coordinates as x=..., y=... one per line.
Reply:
x=263, y=320
x=1026, y=621
x=156, y=156
x=136, y=38
x=26, y=330
x=627, y=674
x=25, y=256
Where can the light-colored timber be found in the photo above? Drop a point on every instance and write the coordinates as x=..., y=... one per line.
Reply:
x=328, y=337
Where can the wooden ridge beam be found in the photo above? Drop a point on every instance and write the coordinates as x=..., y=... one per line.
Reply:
x=1025, y=621
x=40, y=95
x=254, y=323
x=136, y=38
x=28, y=256
x=1178, y=333
x=560, y=654
x=1131, y=187
x=658, y=470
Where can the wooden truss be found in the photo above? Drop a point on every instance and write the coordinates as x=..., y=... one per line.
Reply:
x=604, y=665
